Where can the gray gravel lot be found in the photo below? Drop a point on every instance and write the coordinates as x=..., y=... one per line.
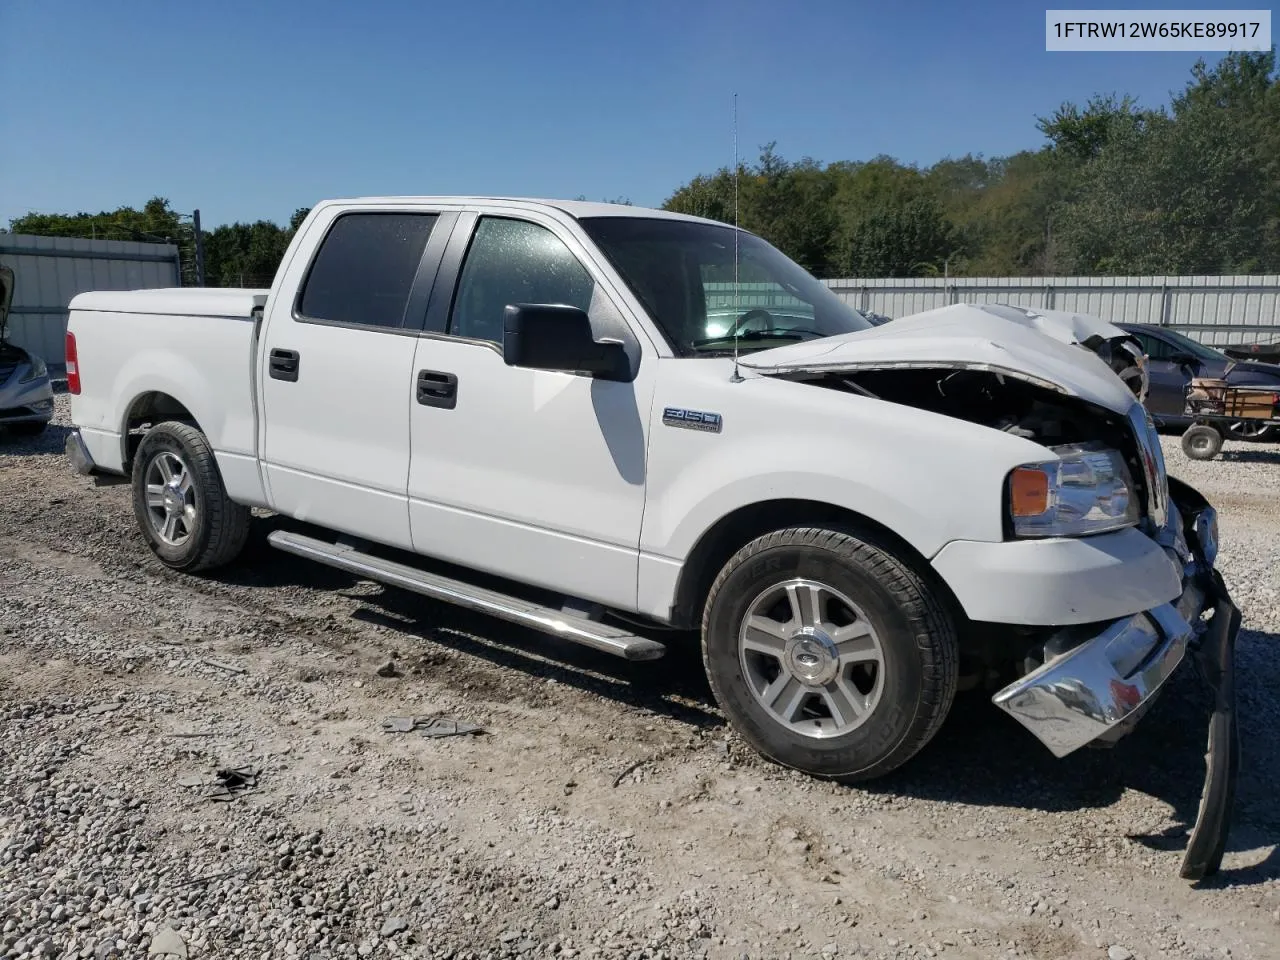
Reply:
x=125, y=687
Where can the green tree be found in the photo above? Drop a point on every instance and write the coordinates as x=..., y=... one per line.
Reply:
x=244, y=254
x=156, y=222
x=790, y=204
x=1083, y=133
x=1192, y=189
x=900, y=238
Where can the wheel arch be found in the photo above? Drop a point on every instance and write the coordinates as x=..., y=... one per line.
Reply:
x=740, y=526
x=149, y=408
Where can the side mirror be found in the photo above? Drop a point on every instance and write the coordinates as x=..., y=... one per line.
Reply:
x=547, y=336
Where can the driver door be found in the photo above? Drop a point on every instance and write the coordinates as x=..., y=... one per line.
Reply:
x=1166, y=395
x=534, y=475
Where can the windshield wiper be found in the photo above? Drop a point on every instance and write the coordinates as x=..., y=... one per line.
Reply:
x=792, y=333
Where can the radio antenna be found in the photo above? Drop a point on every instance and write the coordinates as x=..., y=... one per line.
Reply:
x=737, y=291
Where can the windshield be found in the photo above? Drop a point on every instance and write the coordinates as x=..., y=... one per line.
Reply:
x=683, y=273
x=1193, y=347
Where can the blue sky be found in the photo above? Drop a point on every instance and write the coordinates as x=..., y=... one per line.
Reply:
x=249, y=110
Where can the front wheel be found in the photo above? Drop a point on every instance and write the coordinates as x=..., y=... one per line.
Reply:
x=828, y=653
x=180, y=502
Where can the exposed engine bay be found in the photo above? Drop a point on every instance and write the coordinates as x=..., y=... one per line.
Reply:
x=997, y=401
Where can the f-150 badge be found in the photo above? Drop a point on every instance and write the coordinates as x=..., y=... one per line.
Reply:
x=692, y=419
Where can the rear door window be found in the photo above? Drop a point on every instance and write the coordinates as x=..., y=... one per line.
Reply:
x=364, y=269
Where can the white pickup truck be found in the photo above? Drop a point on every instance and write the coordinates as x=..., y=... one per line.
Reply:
x=604, y=422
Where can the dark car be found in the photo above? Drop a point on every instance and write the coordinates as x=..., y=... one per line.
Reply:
x=1173, y=359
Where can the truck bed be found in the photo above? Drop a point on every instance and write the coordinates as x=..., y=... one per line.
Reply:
x=192, y=301
x=136, y=346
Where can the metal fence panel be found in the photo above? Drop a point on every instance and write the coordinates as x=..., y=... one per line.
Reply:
x=1217, y=310
x=49, y=271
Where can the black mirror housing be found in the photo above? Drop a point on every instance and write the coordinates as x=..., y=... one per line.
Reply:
x=549, y=336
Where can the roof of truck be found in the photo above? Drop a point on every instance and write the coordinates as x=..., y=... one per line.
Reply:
x=575, y=208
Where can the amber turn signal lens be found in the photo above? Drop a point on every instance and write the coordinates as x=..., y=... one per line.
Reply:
x=1028, y=492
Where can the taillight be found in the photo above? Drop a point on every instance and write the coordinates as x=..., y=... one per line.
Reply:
x=73, y=365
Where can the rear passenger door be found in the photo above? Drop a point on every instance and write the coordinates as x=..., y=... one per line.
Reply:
x=336, y=369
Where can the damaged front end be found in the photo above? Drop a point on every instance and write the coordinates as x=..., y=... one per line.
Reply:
x=1089, y=684
x=1096, y=682
x=1078, y=683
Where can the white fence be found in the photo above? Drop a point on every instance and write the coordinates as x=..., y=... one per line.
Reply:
x=49, y=271
x=1214, y=310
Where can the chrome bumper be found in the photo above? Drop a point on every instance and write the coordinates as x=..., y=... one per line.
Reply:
x=1085, y=693
x=1096, y=688
x=78, y=454
x=1089, y=691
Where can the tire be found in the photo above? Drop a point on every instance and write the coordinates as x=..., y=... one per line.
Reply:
x=28, y=428
x=1251, y=430
x=903, y=698
x=1201, y=442
x=208, y=528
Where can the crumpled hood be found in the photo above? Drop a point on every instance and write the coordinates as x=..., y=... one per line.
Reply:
x=1062, y=325
x=1036, y=346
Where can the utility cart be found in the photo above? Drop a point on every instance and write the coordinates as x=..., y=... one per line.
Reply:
x=1214, y=404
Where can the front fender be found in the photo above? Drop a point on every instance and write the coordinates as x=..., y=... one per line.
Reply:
x=930, y=479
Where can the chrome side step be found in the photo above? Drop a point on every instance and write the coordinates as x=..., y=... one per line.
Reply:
x=589, y=633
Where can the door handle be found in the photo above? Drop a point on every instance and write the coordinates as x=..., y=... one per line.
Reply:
x=437, y=389
x=284, y=365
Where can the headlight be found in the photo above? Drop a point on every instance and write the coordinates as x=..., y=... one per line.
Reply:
x=38, y=370
x=1089, y=490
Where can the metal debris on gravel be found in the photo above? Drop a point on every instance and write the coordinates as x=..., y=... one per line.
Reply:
x=230, y=782
x=431, y=727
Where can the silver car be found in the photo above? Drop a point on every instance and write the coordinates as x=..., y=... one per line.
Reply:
x=26, y=393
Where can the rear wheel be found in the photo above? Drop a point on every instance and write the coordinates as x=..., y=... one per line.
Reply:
x=180, y=502
x=828, y=653
x=1201, y=442
x=1254, y=430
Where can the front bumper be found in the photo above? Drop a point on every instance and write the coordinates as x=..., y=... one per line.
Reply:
x=1083, y=694
x=30, y=402
x=1100, y=683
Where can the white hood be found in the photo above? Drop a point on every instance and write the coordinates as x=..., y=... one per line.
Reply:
x=1035, y=346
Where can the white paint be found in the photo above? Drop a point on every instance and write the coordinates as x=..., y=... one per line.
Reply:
x=576, y=484
x=1112, y=575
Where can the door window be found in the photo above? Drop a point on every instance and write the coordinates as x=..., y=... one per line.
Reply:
x=514, y=261
x=364, y=269
x=1155, y=348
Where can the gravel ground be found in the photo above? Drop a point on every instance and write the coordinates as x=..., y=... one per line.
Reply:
x=124, y=688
